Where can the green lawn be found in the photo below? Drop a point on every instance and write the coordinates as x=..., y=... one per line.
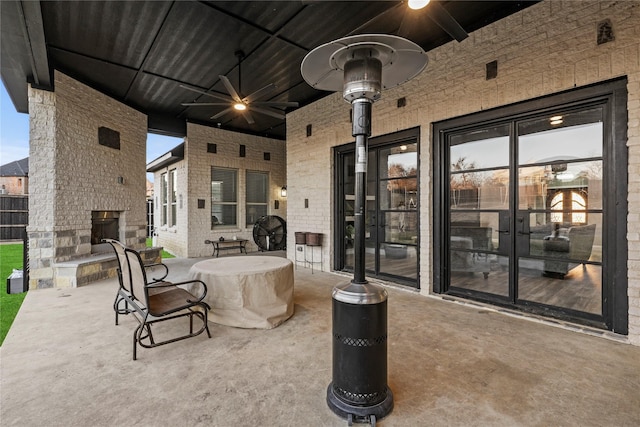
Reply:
x=10, y=258
x=165, y=254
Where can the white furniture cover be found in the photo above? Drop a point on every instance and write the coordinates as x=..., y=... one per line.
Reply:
x=247, y=291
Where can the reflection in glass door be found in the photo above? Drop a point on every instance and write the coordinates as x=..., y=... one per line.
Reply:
x=391, y=222
x=560, y=210
x=479, y=187
x=525, y=212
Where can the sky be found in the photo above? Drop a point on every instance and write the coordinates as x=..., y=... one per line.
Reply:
x=14, y=135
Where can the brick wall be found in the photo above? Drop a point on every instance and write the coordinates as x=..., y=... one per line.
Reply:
x=194, y=182
x=544, y=49
x=72, y=175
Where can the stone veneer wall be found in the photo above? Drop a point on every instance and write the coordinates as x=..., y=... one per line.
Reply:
x=72, y=175
x=193, y=225
x=544, y=49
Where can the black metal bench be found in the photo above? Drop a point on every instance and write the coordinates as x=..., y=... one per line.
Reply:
x=225, y=245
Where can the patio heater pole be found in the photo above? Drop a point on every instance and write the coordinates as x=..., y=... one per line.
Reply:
x=362, y=131
x=361, y=66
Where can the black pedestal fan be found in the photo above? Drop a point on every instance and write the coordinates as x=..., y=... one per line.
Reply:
x=270, y=233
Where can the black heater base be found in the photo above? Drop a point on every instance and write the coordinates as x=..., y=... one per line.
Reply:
x=359, y=413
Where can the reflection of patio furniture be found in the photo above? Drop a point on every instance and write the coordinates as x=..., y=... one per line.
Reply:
x=575, y=246
x=480, y=236
x=558, y=247
x=395, y=251
x=581, y=242
x=463, y=261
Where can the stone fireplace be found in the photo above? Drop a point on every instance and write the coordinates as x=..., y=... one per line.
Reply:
x=104, y=225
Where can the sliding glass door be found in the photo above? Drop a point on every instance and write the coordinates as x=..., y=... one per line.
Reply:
x=525, y=200
x=392, y=215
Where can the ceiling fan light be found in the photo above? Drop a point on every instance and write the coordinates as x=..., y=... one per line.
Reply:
x=239, y=106
x=417, y=4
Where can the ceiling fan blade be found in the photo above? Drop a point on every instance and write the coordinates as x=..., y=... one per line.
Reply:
x=268, y=111
x=203, y=104
x=230, y=89
x=222, y=113
x=248, y=117
x=213, y=95
x=257, y=94
x=382, y=17
x=443, y=18
x=275, y=104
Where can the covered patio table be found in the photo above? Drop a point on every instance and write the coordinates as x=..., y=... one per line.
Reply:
x=247, y=292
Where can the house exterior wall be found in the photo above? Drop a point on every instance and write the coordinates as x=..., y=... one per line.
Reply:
x=193, y=225
x=72, y=175
x=15, y=185
x=544, y=49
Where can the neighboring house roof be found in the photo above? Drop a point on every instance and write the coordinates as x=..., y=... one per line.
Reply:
x=175, y=155
x=16, y=168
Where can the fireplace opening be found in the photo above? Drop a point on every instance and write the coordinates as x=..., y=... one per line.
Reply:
x=104, y=225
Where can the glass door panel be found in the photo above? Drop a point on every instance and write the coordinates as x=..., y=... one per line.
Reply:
x=391, y=217
x=560, y=213
x=398, y=210
x=479, y=210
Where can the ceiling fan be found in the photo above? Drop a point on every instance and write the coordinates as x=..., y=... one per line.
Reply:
x=236, y=102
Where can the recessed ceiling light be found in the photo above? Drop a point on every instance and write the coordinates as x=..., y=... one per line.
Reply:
x=239, y=106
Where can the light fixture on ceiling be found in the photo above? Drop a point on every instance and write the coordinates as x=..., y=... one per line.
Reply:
x=556, y=120
x=235, y=101
x=283, y=191
x=417, y=4
x=403, y=148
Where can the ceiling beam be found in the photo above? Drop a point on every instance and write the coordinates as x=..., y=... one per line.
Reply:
x=33, y=30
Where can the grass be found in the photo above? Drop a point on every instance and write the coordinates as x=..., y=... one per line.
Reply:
x=10, y=258
x=165, y=254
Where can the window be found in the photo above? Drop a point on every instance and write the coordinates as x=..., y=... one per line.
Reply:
x=257, y=196
x=224, y=197
x=168, y=198
x=164, y=196
x=173, y=180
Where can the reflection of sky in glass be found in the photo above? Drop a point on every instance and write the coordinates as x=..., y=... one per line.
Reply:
x=561, y=144
x=486, y=153
x=406, y=160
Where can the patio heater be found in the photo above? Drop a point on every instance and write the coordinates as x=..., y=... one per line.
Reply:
x=361, y=66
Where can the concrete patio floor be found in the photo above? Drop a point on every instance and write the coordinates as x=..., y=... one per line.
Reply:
x=65, y=363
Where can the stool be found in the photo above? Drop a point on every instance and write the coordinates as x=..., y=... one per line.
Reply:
x=313, y=240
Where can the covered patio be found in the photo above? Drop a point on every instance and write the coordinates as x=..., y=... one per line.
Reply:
x=64, y=362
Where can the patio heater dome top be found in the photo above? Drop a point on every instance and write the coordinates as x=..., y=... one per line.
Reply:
x=331, y=66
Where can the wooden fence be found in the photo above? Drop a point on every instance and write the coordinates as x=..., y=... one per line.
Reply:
x=14, y=216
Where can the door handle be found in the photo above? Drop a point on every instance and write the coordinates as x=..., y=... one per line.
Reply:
x=522, y=225
x=503, y=231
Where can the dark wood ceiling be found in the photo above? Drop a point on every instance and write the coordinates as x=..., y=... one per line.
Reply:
x=142, y=52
